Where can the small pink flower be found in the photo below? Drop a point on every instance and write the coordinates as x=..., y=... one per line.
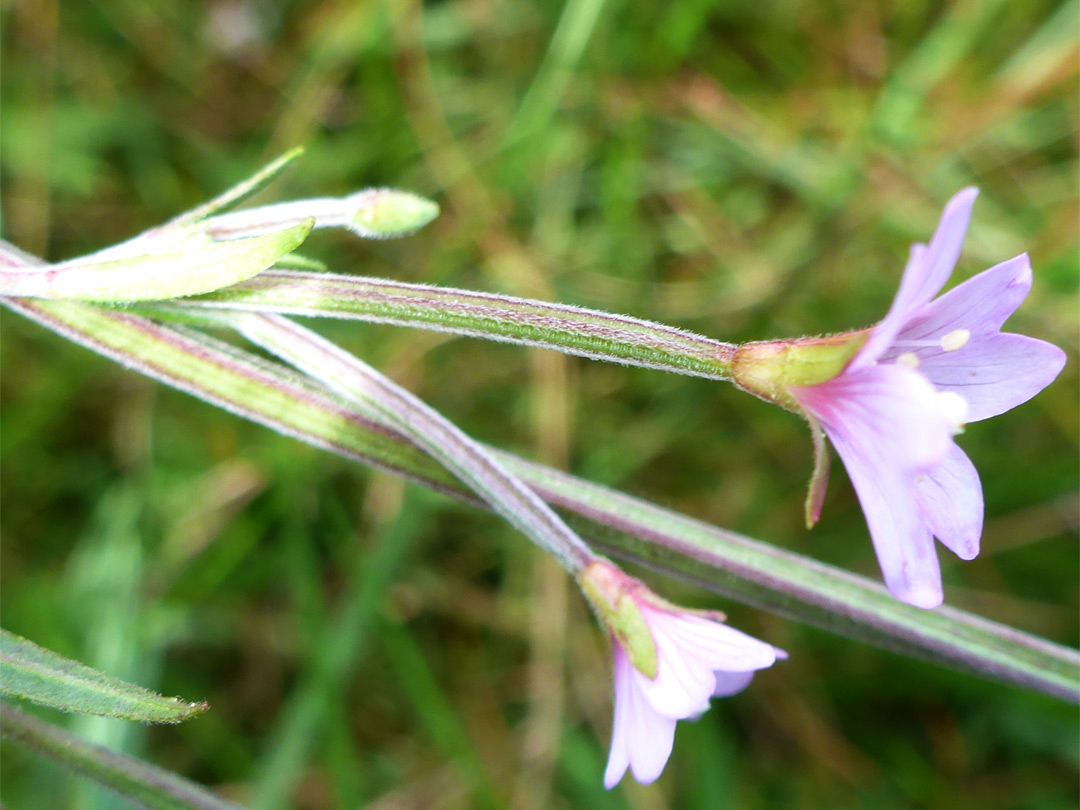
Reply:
x=927, y=368
x=697, y=658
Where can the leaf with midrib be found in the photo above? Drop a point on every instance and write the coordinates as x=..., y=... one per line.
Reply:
x=33, y=673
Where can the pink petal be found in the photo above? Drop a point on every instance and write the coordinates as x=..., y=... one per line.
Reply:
x=640, y=737
x=719, y=645
x=731, y=683
x=981, y=305
x=996, y=373
x=951, y=502
x=619, y=757
x=684, y=681
x=926, y=273
x=899, y=313
x=652, y=748
x=887, y=426
x=943, y=251
x=904, y=547
x=690, y=648
x=892, y=407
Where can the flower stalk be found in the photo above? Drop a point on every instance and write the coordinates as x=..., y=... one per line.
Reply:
x=376, y=213
x=572, y=330
x=467, y=459
x=668, y=662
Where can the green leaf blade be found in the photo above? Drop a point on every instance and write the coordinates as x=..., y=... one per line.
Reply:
x=193, y=264
x=242, y=190
x=40, y=676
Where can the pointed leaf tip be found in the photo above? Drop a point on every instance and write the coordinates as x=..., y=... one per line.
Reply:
x=176, y=264
x=242, y=190
x=33, y=673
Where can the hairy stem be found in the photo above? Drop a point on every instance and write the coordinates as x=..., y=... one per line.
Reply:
x=572, y=330
x=467, y=459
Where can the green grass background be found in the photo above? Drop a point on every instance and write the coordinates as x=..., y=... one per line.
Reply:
x=744, y=169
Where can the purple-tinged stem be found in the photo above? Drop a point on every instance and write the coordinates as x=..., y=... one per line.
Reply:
x=446, y=443
x=573, y=330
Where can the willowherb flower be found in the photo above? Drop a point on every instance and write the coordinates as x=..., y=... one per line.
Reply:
x=891, y=398
x=668, y=664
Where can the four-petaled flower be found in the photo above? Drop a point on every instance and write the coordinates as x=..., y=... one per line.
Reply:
x=698, y=659
x=926, y=369
x=669, y=663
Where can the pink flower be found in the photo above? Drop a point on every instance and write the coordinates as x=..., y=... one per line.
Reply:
x=927, y=368
x=697, y=658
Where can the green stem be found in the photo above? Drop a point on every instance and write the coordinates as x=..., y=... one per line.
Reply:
x=727, y=563
x=467, y=459
x=572, y=330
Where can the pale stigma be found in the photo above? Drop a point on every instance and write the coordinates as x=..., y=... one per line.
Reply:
x=956, y=339
x=955, y=409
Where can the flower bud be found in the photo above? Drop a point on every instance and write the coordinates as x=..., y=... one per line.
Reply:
x=383, y=213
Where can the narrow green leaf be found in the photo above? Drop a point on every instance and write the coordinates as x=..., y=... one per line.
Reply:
x=565, y=50
x=157, y=264
x=722, y=561
x=241, y=191
x=1045, y=52
x=951, y=37
x=133, y=779
x=33, y=673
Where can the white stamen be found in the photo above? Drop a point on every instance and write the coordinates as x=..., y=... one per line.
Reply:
x=956, y=339
x=908, y=359
x=955, y=408
x=917, y=344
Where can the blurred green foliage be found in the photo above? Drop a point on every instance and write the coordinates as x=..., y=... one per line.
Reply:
x=743, y=169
